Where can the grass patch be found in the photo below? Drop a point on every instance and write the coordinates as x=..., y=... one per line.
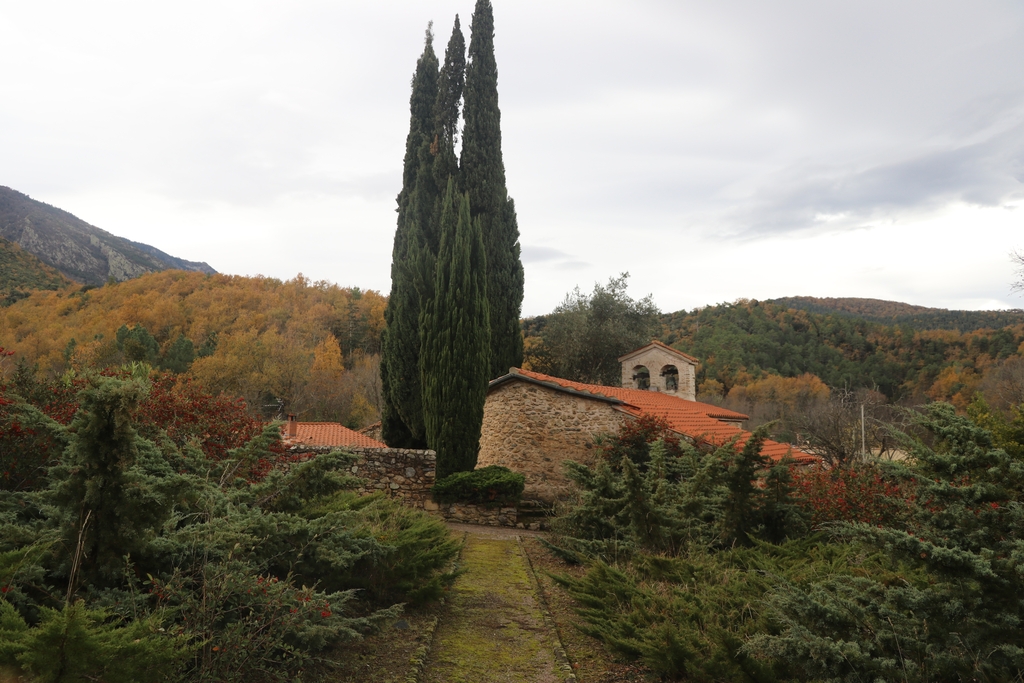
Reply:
x=493, y=627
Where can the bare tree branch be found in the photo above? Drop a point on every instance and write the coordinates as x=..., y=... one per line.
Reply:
x=833, y=429
x=1018, y=259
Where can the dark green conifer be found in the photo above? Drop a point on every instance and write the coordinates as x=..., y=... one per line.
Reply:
x=450, y=85
x=454, y=341
x=952, y=611
x=483, y=179
x=402, y=414
x=179, y=355
x=137, y=344
x=115, y=489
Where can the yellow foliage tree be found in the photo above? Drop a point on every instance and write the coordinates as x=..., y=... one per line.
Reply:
x=325, y=391
x=256, y=337
x=778, y=398
x=955, y=384
x=789, y=394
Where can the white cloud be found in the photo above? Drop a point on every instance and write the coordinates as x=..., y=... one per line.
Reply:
x=714, y=150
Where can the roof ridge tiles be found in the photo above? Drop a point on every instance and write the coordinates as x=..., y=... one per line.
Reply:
x=330, y=434
x=660, y=345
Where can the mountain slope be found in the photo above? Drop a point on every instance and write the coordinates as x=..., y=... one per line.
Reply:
x=22, y=272
x=77, y=249
x=896, y=313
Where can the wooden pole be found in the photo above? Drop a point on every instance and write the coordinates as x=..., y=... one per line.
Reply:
x=863, y=443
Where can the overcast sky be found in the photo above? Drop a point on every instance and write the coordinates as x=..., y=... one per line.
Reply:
x=714, y=150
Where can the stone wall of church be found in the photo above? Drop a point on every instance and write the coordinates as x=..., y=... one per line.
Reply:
x=532, y=429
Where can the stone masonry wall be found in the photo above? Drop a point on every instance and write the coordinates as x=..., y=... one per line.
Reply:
x=409, y=475
x=655, y=359
x=397, y=472
x=479, y=514
x=531, y=429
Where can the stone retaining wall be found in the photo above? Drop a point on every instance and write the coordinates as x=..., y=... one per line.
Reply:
x=397, y=472
x=479, y=514
x=409, y=475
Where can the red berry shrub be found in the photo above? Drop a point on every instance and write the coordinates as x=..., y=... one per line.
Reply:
x=217, y=424
x=858, y=494
x=635, y=436
x=175, y=404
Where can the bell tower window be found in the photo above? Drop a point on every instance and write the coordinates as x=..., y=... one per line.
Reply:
x=642, y=377
x=671, y=375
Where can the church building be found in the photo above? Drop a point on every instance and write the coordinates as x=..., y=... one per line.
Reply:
x=533, y=422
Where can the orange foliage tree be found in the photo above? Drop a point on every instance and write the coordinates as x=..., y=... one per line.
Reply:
x=254, y=337
x=785, y=395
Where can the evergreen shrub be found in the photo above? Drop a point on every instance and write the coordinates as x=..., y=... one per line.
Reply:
x=174, y=407
x=417, y=550
x=196, y=559
x=954, y=612
x=79, y=644
x=688, y=616
x=703, y=565
x=488, y=485
x=677, y=542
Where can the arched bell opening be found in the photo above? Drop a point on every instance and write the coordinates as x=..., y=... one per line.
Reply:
x=670, y=373
x=641, y=377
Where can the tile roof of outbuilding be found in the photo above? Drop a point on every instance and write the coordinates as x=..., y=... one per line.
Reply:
x=328, y=434
x=698, y=421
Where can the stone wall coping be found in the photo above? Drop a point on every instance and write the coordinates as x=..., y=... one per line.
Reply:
x=513, y=376
x=364, y=450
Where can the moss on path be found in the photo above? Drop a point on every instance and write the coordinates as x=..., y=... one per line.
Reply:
x=494, y=629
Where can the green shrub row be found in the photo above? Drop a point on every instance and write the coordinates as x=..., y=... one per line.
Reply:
x=704, y=564
x=488, y=485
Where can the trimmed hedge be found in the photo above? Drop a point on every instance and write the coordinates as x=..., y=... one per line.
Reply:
x=493, y=484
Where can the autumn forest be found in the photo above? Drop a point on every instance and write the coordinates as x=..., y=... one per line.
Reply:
x=309, y=347
x=312, y=348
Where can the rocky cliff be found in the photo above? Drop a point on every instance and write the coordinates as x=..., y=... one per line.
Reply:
x=80, y=251
x=22, y=272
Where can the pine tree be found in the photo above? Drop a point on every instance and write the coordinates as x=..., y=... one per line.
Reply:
x=402, y=413
x=137, y=344
x=454, y=341
x=483, y=178
x=179, y=356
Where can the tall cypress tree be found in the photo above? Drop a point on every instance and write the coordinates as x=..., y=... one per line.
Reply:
x=455, y=340
x=483, y=179
x=402, y=414
x=451, y=83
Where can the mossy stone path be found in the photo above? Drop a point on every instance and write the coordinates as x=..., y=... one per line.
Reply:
x=494, y=628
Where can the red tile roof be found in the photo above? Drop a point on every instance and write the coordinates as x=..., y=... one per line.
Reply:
x=328, y=434
x=698, y=421
x=663, y=346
